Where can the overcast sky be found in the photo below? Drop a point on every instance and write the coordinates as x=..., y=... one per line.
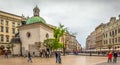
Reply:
x=80, y=16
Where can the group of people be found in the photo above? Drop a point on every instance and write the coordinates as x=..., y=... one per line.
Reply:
x=112, y=56
x=44, y=54
x=57, y=56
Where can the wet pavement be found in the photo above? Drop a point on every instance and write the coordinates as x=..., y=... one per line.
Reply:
x=66, y=60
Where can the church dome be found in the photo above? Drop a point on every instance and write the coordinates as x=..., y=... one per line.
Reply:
x=35, y=19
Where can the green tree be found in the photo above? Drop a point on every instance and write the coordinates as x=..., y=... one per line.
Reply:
x=52, y=44
x=49, y=43
x=57, y=45
x=59, y=31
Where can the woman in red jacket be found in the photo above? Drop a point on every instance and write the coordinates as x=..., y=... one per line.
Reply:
x=110, y=57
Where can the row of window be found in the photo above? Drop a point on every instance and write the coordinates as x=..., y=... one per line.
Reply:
x=117, y=47
x=7, y=23
x=112, y=33
x=2, y=38
x=6, y=29
x=112, y=41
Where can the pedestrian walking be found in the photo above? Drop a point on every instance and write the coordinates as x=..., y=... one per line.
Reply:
x=59, y=58
x=115, y=55
x=56, y=55
x=6, y=54
x=109, y=57
x=29, y=57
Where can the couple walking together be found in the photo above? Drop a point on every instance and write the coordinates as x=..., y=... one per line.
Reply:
x=58, y=57
x=114, y=55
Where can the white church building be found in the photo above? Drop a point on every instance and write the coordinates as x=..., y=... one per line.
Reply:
x=32, y=35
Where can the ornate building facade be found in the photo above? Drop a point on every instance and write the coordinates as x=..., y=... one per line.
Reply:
x=107, y=35
x=70, y=43
x=111, y=34
x=8, y=27
x=99, y=36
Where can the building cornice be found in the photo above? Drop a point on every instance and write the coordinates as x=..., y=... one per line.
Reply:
x=38, y=23
x=10, y=14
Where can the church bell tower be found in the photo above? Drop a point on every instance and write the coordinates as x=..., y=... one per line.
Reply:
x=36, y=11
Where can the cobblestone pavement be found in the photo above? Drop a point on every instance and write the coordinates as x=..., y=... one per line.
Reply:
x=66, y=60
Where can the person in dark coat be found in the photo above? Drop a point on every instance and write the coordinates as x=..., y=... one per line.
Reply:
x=29, y=57
x=115, y=55
x=59, y=57
x=56, y=55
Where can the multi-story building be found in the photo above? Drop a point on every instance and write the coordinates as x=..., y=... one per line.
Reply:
x=111, y=34
x=90, y=41
x=8, y=26
x=107, y=36
x=79, y=47
x=93, y=38
x=99, y=36
x=70, y=42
